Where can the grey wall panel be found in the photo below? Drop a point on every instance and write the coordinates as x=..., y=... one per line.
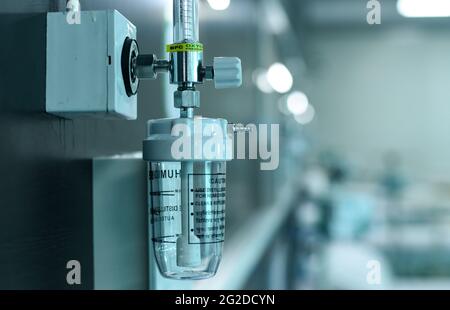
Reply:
x=120, y=224
x=45, y=212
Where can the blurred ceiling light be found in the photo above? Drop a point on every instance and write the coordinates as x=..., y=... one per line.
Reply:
x=219, y=5
x=424, y=8
x=260, y=80
x=306, y=117
x=297, y=103
x=282, y=106
x=280, y=78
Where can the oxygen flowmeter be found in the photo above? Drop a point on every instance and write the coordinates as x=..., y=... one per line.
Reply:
x=186, y=156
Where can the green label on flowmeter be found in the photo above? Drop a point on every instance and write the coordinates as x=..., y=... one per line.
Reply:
x=184, y=47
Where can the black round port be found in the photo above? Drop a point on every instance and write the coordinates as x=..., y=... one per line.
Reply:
x=130, y=53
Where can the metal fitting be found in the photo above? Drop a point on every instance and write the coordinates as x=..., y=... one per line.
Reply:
x=187, y=99
x=148, y=67
x=207, y=73
x=144, y=67
x=186, y=67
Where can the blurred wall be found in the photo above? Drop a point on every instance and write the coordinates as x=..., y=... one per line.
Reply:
x=383, y=89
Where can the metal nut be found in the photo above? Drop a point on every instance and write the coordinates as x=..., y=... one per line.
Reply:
x=187, y=99
x=208, y=73
x=145, y=67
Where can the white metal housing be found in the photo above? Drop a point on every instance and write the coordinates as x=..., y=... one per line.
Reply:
x=84, y=73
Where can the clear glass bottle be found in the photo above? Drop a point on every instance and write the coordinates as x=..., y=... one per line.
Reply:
x=187, y=203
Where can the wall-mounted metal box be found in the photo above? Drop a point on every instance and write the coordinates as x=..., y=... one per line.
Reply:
x=84, y=72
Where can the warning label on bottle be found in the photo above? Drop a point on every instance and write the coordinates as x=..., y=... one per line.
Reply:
x=207, y=208
x=186, y=204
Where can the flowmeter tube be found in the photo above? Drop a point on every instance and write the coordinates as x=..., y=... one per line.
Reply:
x=185, y=17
